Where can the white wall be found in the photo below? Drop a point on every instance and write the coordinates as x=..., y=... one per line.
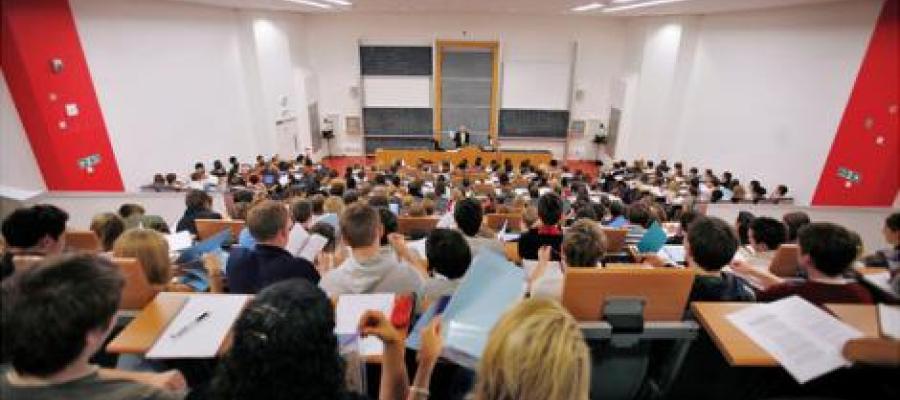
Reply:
x=170, y=78
x=334, y=53
x=18, y=167
x=760, y=93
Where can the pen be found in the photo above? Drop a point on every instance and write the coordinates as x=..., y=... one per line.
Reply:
x=190, y=325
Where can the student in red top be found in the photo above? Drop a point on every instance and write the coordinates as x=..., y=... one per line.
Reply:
x=549, y=233
x=826, y=252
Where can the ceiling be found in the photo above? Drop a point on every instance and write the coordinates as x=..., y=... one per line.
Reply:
x=522, y=7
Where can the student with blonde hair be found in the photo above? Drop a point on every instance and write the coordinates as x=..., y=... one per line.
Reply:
x=150, y=248
x=107, y=226
x=536, y=351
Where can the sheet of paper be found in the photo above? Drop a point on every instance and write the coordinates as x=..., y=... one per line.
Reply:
x=881, y=280
x=674, y=253
x=202, y=339
x=179, y=241
x=314, y=244
x=418, y=246
x=350, y=307
x=296, y=240
x=889, y=320
x=805, y=340
x=530, y=265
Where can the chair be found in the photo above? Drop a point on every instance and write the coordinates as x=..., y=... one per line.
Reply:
x=137, y=292
x=495, y=221
x=209, y=227
x=484, y=189
x=83, y=241
x=512, y=252
x=784, y=262
x=410, y=225
x=664, y=290
x=615, y=239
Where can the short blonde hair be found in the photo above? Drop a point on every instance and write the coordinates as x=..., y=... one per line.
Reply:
x=151, y=249
x=333, y=205
x=536, y=351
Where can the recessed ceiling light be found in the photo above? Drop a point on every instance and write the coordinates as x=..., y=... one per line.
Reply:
x=339, y=2
x=309, y=3
x=587, y=7
x=639, y=5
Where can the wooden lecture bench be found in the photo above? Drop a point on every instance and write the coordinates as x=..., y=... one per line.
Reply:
x=740, y=351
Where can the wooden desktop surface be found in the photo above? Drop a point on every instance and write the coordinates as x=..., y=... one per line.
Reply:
x=141, y=333
x=740, y=351
x=385, y=157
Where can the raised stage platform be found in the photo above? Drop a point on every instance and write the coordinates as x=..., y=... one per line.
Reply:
x=384, y=157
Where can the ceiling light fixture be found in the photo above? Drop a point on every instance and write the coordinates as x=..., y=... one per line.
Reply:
x=640, y=5
x=587, y=7
x=339, y=2
x=309, y=3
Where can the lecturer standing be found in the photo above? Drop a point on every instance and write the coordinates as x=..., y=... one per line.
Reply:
x=461, y=137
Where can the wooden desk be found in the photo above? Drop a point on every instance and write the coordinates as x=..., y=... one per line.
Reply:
x=384, y=157
x=740, y=351
x=140, y=335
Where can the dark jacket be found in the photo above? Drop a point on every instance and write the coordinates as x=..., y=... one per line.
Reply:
x=250, y=270
x=186, y=223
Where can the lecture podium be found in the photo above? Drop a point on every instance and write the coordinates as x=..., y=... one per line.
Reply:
x=386, y=157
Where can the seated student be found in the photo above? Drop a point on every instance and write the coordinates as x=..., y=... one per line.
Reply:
x=370, y=268
x=56, y=316
x=534, y=334
x=710, y=245
x=301, y=213
x=448, y=260
x=826, y=252
x=548, y=233
x=152, y=250
x=30, y=233
x=329, y=258
x=199, y=206
x=285, y=348
x=742, y=224
x=639, y=219
x=765, y=235
x=468, y=215
x=583, y=246
x=684, y=221
x=250, y=270
x=131, y=214
x=107, y=226
x=890, y=257
x=794, y=221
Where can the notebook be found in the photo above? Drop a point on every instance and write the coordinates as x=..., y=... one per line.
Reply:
x=198, y=250
x=490, y=287
x=349, y=309
x=190, y=336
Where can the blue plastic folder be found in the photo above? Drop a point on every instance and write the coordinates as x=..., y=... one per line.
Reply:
x=653, y=240
x=491, y=286
x=196, y=251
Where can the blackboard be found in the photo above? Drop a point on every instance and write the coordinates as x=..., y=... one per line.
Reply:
x=534, y=123
x=376, y=143
x=398, y=121
x=395, y=60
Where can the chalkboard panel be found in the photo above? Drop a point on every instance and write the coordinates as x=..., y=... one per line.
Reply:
x=533, y=123
x=395, y=60
x=376, y=143
x=398, y=121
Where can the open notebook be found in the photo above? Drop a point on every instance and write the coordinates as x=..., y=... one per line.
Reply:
x=199, y=328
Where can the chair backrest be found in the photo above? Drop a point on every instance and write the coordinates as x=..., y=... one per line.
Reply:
x=207, y=228
x=664, y=290
x=83, y=240
x=615, y=239
x=784, y=262
x=483, y=188
x=512, y=252
x=495, y=221
x=410, y=225
x=137, y=292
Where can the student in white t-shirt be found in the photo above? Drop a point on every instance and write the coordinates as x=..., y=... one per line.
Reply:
x=583, y=246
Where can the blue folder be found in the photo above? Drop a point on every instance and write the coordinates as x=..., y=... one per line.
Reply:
x=653, y=240
x=196, y=251
x=490, y=287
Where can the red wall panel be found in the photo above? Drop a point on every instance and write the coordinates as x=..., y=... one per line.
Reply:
x=862, y=166
x=34, y=32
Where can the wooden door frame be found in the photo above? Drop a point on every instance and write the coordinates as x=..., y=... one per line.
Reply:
x=494, y=47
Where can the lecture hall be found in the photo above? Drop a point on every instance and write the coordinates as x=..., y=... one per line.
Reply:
x=450, y=199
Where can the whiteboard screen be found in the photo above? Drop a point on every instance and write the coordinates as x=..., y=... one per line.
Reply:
x=397, y=91
x=534, y=85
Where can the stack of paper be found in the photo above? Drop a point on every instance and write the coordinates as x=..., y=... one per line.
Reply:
x=491, y=286
x=351, y=307
x=805, y=340
x=889, y=318
x=311, y=247
x=190, y=336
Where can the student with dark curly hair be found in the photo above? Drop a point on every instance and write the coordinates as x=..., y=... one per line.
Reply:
x=285, y=348
x=32, y=232
x=468, y=215
x=550, y=209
